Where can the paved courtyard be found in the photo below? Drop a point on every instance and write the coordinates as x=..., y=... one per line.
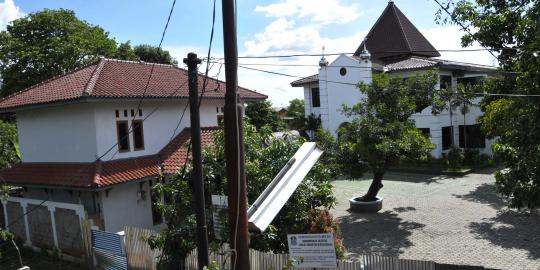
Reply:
x=436, y=218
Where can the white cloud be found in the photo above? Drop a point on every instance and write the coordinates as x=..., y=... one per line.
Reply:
x=449, y=38
x=320, y=11
x=9, y=12
x=283, y=36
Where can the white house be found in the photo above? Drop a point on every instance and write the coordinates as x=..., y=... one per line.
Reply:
x=66, y=123
x=395, y=45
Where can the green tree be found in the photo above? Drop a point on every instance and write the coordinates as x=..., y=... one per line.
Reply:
x=125, y=52
x=296, y=111
x=153, y=54
x=9, y=145
x=381, y=133
x=261, y=113
x=510, y=29
x=265, y=156
x=48, y=43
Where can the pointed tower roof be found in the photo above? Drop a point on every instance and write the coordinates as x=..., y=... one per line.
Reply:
x=393, y=37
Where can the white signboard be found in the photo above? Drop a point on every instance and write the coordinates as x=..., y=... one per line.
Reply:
x=312, y=250
x=219, y=211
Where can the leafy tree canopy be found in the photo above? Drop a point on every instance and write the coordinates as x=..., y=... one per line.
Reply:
x=510, y=29
x=296, y=108
x=153, y=54
x=261, y=113
x=381, y=133
x=48, y=43
x=265, y=156
x=9, y=145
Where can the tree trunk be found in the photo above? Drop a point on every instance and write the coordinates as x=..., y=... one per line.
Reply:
x=374, y=188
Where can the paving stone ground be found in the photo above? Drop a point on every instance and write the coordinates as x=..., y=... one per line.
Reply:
x=458, y=220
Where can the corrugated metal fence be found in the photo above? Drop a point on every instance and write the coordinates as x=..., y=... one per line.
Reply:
x=140, y=256
x=269, y=261
x=108, y=250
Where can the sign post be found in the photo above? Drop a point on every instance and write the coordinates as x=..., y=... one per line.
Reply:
x=312, y=250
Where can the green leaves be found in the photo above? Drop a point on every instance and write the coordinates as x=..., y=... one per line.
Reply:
x=9, y=145
x=265, y=156
x=381, y=134
x=511, y=29
x=261, y=113
x=48, y=43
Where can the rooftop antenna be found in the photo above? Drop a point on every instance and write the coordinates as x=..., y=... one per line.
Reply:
x=323, y=62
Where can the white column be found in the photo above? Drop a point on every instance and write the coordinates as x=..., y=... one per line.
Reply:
x=53, y=224
x=4, y=205
x=24, y=205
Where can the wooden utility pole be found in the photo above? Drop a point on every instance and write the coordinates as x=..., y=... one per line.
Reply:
x=196, y=150
x=234, y=145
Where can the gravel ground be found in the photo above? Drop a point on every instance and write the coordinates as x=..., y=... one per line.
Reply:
x=458, y=220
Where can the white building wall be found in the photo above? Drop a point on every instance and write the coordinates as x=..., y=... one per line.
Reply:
x=57, y=134
x=338, y=90
x=158, y=129
x=121, y=206
x=83, y=132
x=435, y=123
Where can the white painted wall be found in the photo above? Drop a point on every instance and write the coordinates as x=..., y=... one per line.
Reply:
x=334, y=95
x=158, y=129
x=122, y=207
x=57, y=134
x=83, y=132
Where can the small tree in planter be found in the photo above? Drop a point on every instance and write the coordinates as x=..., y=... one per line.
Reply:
x=381, y=134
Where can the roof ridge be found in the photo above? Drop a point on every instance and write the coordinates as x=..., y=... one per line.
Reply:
x=97, y=172
x=138, y=62
x=461, y=62
x=400, y=25
x=218, y=81
x=372, y=29
x=424, y=59
x=48, y=80
x=93, y=79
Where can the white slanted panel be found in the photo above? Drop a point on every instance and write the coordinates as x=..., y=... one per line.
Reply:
x=274, y=197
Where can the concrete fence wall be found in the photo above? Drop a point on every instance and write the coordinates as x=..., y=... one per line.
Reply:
x=47, y=225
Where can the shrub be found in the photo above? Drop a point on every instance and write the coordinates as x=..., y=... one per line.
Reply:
x=455, y=158
x=321, y=221
x=471, y=157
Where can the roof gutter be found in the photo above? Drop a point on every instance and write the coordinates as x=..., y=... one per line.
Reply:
x=100, y=99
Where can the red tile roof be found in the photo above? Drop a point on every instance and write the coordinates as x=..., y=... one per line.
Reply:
x=109, y=78
x=102, y=174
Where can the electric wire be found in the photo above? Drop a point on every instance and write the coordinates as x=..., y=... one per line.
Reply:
x=138, y=107
x=463, y=27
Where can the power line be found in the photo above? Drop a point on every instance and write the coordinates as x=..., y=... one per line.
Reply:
x=466, y=29
x=372, y=52
x=138, y=107
x=296, y=76
x=353, y=84
x=356, y=67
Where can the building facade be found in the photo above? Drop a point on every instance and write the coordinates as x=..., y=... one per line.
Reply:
x=395, y=46
x=103, y=135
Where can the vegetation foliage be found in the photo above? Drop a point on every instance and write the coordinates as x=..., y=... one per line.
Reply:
x=381, y=134
x=265, y=156
x=261, y=114
x=511, y=30
x=48, y=43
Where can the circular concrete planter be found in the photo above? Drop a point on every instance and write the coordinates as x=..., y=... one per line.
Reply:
x=365, y=207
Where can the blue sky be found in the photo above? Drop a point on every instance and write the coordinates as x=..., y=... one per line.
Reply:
x=264, y=27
